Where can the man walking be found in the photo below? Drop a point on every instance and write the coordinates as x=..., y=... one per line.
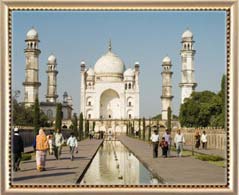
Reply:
x=179, y=141
x=72, y=143
x=18, y=148
x=58, y=142
x=155, y=141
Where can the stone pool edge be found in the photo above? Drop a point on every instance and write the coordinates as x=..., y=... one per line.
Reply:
x=145, y=164
x=88, y=165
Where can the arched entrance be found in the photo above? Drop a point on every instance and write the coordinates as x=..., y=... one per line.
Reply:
x=110, y=105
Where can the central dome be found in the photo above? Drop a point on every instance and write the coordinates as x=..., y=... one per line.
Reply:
x=109, y=64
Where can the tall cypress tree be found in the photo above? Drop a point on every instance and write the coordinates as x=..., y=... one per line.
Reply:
x=81, y=126
x=149, y=135
x=139, y=128
x=87, y=128
x=58, y=116
x=75, y=124
x=143, y=128
x=169, y=118
x=93, y=128
x=36, y=119
x=127, y=127
x=130, y=130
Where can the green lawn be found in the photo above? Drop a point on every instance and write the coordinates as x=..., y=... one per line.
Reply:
x=212, y=159
x=26, y=156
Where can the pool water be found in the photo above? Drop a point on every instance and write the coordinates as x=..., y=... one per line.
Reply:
x=114, y=164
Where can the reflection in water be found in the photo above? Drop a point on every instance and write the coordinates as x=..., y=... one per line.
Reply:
x=114, y=164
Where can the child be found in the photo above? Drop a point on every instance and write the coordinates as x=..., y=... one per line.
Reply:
x=164, y=145
x=72, y=142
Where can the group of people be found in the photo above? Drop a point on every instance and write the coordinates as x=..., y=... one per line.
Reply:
x=165, y=143
x=179, y=140
x=43, y=143
x=201, y=139
x=53, y=143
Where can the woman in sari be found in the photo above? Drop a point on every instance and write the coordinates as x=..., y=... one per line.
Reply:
x=41, y=150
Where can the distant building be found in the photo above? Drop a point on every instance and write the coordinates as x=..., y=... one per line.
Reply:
x=109, y=91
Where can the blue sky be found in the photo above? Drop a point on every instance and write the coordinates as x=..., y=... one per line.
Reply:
x=144, y=36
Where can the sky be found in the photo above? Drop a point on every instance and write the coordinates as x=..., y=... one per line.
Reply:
x=143, y=36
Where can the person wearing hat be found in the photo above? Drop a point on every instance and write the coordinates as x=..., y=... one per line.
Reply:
x=18, y=148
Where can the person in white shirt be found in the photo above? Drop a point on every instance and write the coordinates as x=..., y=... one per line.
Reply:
x=179, y=141
x=204, y=140
x=58, y=142
x=155, y=141
x=72, y=142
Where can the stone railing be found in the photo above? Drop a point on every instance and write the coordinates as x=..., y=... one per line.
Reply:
x=216, y=137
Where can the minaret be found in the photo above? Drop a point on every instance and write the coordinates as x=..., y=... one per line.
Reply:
x=65, y=96
x=31, y=83
x=166, y=97
x=188, y=83
x=82, y=87
x=137, y=71
x=51, y=95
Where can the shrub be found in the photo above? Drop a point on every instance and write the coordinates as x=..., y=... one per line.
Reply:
x=209, y=158
x=26, y=156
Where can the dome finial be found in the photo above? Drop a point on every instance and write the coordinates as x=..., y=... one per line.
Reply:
x=110, y=46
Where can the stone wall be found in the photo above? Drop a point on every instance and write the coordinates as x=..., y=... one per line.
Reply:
x=28, y=135
x=216, y=137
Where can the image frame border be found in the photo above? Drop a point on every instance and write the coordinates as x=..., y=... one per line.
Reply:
x=230, y=6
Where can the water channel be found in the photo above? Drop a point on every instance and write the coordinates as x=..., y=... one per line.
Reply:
x=114, y=164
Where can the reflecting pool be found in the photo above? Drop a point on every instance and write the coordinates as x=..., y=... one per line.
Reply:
x=114, y=164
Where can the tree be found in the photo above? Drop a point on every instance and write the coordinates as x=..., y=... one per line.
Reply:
x=36, y=119
x=93, y=128
x=159, y=116
x=133, y=128
x=127, y=129
x=149, y=134
x=87, y=128
x=143, y=128
x=58, y=116
x=169, y=119
x=130, y=128
x=24, y=116
x=139, y=133
x=75, y=125
x=200, y=110
x=220, y=119
x=81, y=126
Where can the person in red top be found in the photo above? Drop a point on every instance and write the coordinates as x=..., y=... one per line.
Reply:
x=164, y=145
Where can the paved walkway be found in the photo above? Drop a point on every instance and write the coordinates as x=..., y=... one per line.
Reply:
x=62, y=171
x=175, y=170
x=221, y=153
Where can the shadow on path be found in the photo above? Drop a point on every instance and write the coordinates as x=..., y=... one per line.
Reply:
x=45, y=175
